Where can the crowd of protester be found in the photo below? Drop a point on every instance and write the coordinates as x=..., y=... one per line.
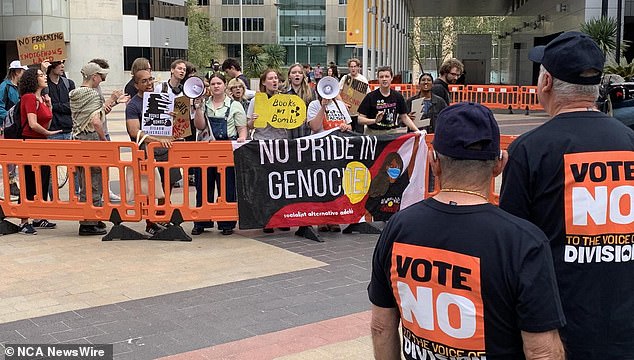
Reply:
x=530, y=300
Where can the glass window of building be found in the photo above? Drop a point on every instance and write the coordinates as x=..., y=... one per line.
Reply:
x=343, y=24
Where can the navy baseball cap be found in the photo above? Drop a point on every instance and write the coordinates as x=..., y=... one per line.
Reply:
x=569, y=55
x=467, y=131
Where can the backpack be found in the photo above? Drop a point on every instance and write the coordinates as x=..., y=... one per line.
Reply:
x=13, y=123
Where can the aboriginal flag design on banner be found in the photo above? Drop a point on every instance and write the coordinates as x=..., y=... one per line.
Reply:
x=328, y=178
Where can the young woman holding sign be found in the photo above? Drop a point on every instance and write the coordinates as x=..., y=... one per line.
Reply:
x=269, y=84
x=219, y=118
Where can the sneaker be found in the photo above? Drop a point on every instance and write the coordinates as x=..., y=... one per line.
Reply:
x=101, y=225
x=268, y=230
x=114, y=197
x=227, y=231
x=14, y=191
x=334, y=228
x=27, y=229
x=87, y=230
x=44, y=224
x=322, y=228
x=153, y=228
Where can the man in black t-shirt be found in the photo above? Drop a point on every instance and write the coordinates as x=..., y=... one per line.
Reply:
x=450, y=71
x=464, y=278
x=572, y=177
x=383, y=110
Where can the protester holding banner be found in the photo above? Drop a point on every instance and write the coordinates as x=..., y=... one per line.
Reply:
x=459, y=275
x=297, y=84
x=269, y=84
x=383, y=110
x=225, y=118
x=36, y=116
x=326, y=114
x=354, y=73
x=429, y=107
x=9, y=96
x=144, y=82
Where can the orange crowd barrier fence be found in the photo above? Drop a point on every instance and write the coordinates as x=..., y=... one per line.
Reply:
x=115, y=159
x=508, y=97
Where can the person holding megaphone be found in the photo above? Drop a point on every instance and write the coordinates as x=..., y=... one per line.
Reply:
x=218, y=118
x=326, y=112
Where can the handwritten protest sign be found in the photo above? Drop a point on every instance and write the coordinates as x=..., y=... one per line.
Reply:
x=352, y=93
x=157, y=120
x=282, y=111
x=35, y=49
x=182, y=124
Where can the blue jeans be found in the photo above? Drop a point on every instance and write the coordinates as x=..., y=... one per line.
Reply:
x=212, y=176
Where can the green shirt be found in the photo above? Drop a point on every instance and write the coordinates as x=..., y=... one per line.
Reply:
x=237, y=117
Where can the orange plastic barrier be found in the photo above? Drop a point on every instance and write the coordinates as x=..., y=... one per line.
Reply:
x=407, y=90
x=185, y=156
x=66, y=155
x=528, y=98
x=457, y=93
x=493, y=96
x=73, y=154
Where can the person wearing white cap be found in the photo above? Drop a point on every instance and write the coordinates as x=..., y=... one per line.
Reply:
x=9, y=96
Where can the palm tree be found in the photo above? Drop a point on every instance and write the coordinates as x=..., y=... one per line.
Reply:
x=603, y=31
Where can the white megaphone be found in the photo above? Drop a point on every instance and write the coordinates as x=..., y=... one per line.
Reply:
x=328, y=87
x=193, y=87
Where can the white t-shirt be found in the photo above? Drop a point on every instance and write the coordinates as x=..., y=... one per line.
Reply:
x=335, y=114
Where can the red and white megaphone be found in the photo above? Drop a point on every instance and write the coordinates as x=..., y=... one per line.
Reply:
x=193, y=87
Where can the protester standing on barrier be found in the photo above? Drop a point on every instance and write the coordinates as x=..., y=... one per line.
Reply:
x=225, y=118
x=36, y=116
x=138, y=64
x=144, y=82
x=458, y=273
x=383, y=110
x=88, y=125
x=9, y=96
x=269, y=84
x=560, y=177
x=354, y=72
x=450, y=71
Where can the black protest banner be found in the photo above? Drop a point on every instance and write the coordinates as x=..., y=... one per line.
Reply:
x=328, y=178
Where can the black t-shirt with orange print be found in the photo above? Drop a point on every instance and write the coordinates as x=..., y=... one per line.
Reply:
x=573, y=177
x=466, y=281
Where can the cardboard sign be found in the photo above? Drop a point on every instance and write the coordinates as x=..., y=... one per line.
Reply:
x=281, y=111
x=418, y=108
x=35, y=49
x=157, y=120
x=182, y=124
x=352, y=93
